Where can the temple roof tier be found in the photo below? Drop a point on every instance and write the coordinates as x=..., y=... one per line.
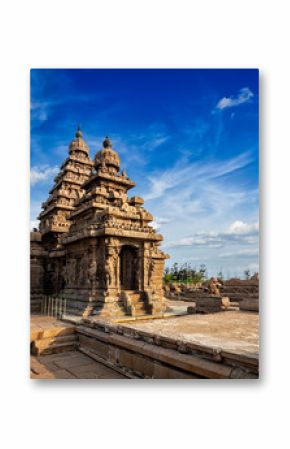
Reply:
x=113, y=179
x=110, y=232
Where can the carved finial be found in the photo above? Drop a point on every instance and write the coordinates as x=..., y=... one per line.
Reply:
x=79, y=133
x=107, y=143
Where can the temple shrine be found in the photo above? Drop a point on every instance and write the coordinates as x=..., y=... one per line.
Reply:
x=95, y=246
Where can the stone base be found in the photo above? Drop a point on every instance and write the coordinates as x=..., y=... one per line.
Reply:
x=209, y=304
x=250, y=304
x=148, y=355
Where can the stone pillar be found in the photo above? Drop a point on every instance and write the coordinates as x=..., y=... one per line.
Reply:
x=146, y=266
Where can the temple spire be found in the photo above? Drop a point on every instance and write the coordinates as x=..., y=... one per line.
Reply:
x=79, y=133
x=107, y=142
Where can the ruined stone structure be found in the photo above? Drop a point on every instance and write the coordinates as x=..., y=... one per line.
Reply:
x=96, y=246
x=244, y=292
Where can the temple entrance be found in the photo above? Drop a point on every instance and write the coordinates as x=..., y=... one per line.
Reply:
x=129, y=268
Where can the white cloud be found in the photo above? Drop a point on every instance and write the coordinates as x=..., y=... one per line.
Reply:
x=241, y=228
x=34, y=224
x=162, y=220
x=42, y=173
x=244, y=96
x=155, y=225
x=159, y=221
x=238, y=232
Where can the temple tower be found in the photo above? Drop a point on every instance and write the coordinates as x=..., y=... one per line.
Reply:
x=113, y=265
x=75, y=170
x=54, y=218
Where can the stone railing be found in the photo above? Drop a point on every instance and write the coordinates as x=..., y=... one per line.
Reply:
x=49, y=305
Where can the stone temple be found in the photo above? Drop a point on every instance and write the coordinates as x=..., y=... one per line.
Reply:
x=95, y=246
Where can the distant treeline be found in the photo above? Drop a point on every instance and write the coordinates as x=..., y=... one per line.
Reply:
x=185, y=274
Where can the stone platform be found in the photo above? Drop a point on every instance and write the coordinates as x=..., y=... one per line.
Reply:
x=47, y=326
x=223, y=345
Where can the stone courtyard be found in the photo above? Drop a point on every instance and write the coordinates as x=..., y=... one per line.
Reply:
x=232, y=331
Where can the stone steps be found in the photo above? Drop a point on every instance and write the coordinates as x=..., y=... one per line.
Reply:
x=58, y=347
x=138, y=303
x=55, y=344
x=55, y=338
x=139, y=309
x=134, y=296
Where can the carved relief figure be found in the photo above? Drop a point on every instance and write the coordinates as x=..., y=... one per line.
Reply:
x=92, y=273
x=107, y=273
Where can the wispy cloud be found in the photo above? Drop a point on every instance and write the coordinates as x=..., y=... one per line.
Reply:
x=243, y=253
x=244, y=96
x=42, y=174
x=183, y=172
x=237, y=232
x=39, y=110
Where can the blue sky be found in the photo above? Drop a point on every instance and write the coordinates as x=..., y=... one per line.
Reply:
x=189, y=138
